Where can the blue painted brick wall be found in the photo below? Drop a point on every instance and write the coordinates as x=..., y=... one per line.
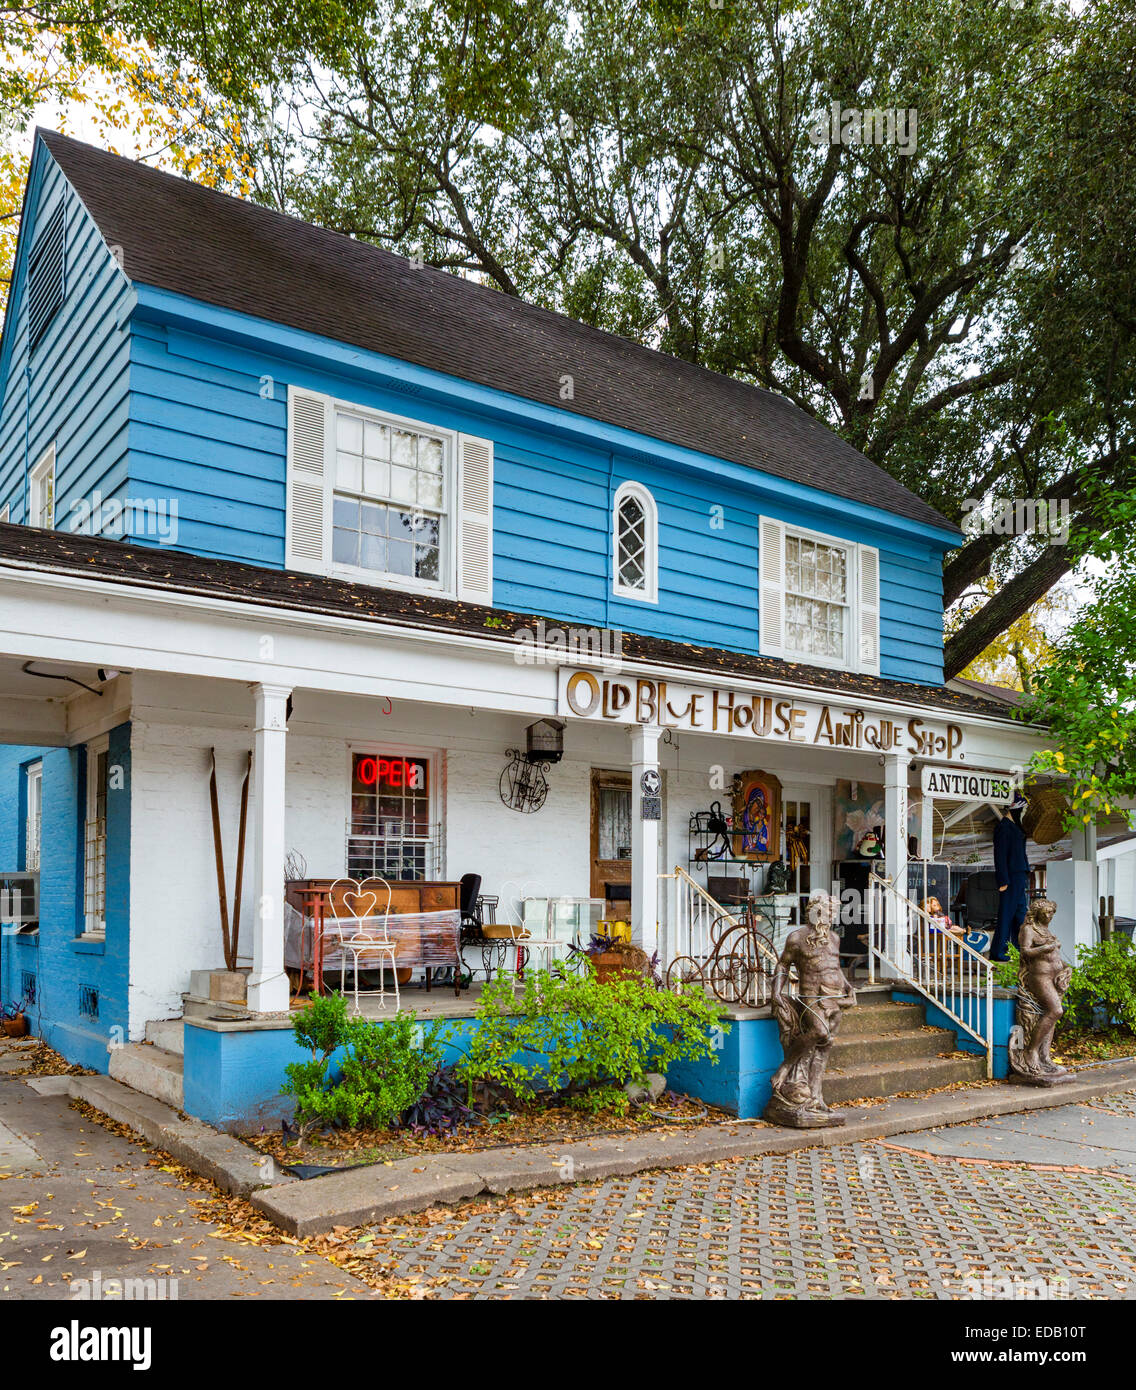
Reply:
x=62, y=964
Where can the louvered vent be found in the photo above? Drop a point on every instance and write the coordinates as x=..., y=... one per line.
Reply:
x=45, y=278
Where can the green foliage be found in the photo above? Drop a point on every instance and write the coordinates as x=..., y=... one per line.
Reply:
x=385, y=1067
x=1086, y=693
x=584, y=1038
x=1104, y=980
x=1006, y=971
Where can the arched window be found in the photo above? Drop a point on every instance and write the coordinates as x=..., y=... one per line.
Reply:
x=635, y=539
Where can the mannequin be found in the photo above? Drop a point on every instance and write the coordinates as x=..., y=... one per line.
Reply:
x=1012, y=870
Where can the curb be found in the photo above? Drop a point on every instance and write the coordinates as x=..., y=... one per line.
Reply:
x=363, y=1195
x=234, y=1167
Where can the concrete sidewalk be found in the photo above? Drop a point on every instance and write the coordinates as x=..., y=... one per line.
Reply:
x=85, y=1210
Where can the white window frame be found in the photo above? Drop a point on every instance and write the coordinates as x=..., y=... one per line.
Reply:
x=5, y=512
x=435, y=763
x=851, y=549
x=33, y=816
x=43, y=473
x=446, y=584
x=650, y=591
x=94, y=922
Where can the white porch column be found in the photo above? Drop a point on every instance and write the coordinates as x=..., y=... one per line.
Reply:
x=644, y=842
x=896, y=766
x=268, y=984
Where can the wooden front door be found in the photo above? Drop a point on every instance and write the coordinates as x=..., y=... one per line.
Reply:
x=611, y=841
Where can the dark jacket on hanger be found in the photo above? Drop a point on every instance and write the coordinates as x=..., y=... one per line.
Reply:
x=1009, y=850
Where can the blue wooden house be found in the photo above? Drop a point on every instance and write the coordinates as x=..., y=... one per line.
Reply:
x=268, y=490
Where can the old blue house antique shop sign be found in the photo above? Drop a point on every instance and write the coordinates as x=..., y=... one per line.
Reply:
x=717, y=710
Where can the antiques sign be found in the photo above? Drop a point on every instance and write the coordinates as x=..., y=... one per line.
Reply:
x=949, y=784
x=722, y=711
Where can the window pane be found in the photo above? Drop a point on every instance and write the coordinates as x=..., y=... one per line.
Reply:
x=349, y=433
x=349, y=472
x=376, y=479
x=373, y=552
x=403, y=448
x=376, y=440
x=401, y=558
x=426, y=562
x=430, y=455
x=429, y=490
x=345, y=546
x=345, y=512
x=373, y=519
x=403, y=487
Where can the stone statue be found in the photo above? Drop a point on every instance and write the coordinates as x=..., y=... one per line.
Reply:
x=809, y=1021
x=1043, y=978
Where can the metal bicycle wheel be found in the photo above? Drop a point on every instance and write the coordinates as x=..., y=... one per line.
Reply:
x=683, y=971
x=729, y=977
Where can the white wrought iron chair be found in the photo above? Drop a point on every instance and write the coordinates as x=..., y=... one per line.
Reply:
x=364, y=934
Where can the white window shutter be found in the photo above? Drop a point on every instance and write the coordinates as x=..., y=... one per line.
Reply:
x=307, y=530
x=475, y=520
x=771, y=599
x=869, y=610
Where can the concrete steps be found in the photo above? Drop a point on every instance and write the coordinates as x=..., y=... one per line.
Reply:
x=886, y=1049
x=877, y=1015
x=154, y=1071
x=168, y=1034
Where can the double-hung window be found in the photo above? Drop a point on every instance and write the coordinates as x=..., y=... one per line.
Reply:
x=95, y=839
x=41, y=491
x=384, y=500
x=819, y=599
x=391, y=498
x=33, y=816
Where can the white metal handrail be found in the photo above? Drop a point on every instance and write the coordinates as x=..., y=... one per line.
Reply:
x=687, y=931
x=955, y=977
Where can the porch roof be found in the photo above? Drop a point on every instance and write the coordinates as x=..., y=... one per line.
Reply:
x=150, y=567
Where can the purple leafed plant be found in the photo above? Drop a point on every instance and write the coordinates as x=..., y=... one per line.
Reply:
x=442, y=1108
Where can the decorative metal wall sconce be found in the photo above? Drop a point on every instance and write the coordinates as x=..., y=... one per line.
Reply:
x=523, y=785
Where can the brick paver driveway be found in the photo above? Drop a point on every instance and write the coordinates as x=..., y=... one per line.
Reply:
x=859, y=1220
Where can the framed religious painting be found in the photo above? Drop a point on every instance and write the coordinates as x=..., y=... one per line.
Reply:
x=757, y=816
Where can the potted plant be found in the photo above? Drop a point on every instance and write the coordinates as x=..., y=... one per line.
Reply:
x=14, y=1020
x=615, y=959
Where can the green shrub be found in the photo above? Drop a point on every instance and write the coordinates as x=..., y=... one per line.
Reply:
x=385, y=1067
x=583, y=1038
x=1104, y=982
x=1006, y=971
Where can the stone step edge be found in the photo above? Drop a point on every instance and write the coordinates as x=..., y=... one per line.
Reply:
x=152, y=1053
x=862, y=1071
x=235, y=1167
x=365, y=1195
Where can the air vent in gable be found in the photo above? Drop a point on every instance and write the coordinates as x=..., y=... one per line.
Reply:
x=45, y=277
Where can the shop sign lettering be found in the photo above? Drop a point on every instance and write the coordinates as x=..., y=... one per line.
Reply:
x=585, y=695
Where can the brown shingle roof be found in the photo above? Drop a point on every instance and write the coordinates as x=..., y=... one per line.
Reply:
x=116, y=562
x=178, y=236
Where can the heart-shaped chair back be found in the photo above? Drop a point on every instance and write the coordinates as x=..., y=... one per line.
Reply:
x=353, y=899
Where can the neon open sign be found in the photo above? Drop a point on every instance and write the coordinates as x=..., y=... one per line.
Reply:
x=391, y=772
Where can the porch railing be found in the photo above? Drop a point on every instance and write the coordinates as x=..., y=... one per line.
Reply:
x=703, y=942
x=907, y=942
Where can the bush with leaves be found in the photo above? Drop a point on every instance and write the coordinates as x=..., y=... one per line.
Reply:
x=584, y=1039
x=1103, y=987
x=384, y=1068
